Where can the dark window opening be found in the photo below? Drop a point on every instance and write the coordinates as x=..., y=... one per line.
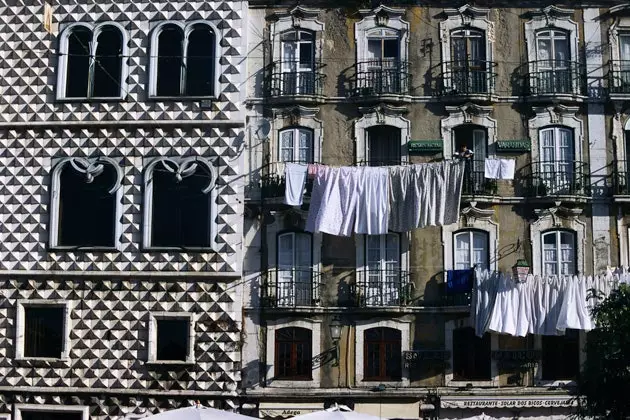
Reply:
x=43, y=332
x=78, y=63
x=50, y=415
x=169, y=61
x=561, y=356
x=471, y=356
x=87, y=209
x=108, y=64
x=293, y=358
x=383, y=145
x=382, y=355
x=181, y=211
x=200, y=62
x=172, y=339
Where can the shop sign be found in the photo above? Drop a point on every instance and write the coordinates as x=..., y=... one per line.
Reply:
x=284, y=412
x=514, y=145
x=503, y=402
x=413, y=357
x=424, y=146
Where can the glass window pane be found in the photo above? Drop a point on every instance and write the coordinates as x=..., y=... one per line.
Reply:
x=170, y=60
x=200, y=62
x=390, y=48
x=374, y=49
x=543, y=50
x=624, y=49
x=78, y=63
x=108, y=63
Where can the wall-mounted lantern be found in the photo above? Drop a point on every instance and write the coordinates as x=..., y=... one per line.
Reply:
x=520, y=270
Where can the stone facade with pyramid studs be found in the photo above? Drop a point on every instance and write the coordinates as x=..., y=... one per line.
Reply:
x=111, y=294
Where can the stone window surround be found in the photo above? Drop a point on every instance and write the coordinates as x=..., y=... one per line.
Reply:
x=371, y=21
x=467, y=114
x=295, y=117
x=465, y=17
x=182, y=163
x=621, y=24
x=62, y=70
x=278, y=227
x=297, y=18
x=154, y=317
x=553, y=219
x=556, y=116
x=91, y=166
x=381, y=115
x=84, y=410
x=360, y=252
x=20, y=326
x=186, y=28
x=316, y=333
x=476, y=219
x=361, y=326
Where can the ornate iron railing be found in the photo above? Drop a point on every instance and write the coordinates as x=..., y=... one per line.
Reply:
x=554, y=178
x=381, y=77
x=619, y=77
x=383, y=288
x=467, y=77
x=273, y=181
x=291, y=287
x=555, y=77
x=475, y=182
x=288, y=79
x=621, y=177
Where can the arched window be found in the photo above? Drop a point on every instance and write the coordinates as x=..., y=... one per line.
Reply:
x=298, y=62
x=553, y=55
x=557, y=154
x=559, y=252
x=84, y=204
x=91, y=62
x=382, y=354
x=293, y=358
x=383, y=145
x=184, y=60
x=296, y=145
x=382, y=280
x=468, y=66
x=471, y=248
x=180, y=208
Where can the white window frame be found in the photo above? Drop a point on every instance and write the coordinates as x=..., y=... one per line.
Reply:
x=154, y=317
x=449, y=328
x=402, y=325
x=471, y=234
x=362, y=274
x=55, y=188
x=293, y=293
x=558, y=115
x=62, y=69
x=538, y=381
x=300, y=117
x=316, y=335
x=296, y=149
x=387, y=19
x=621, y=26
x=84, y=410
x=381, y=115
x=210, y=190
x=558, y=263
x=297, y=18
x=20, y=328
x=186, y=29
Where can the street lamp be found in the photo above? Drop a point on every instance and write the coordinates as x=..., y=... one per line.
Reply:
x=520, y=270
x=335, y=333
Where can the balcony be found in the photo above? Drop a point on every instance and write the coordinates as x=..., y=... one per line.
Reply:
x=382, y=288
x=619, y=79
x=553, y=179
x=295, y=82
x=467, y=80
x=621, y=178
x=291, y=287
x=273, y=182
x=381, y=80
x=475, y=182
x=555, y=80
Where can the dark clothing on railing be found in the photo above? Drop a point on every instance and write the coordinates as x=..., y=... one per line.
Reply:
x=459, y=281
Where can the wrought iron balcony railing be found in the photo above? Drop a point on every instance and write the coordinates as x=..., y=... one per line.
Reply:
x=555, y=178
x=381, y=77
x=273, y=181
x=290, y=78
x=467, y=78
x=621, y=177
x=291, y=287
x=475, y=182
x=376, y=287
x=619, y=77
x=555, y=77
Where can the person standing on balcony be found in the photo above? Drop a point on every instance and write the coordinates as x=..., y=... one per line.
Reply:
x=463, y=153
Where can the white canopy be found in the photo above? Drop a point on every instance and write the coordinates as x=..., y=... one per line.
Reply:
x=197, y=413
x=336, y=413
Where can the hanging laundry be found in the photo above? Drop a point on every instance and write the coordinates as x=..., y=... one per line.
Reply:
x=459, y=281
x=372, y=214
x=499, y=168
x=295, y=181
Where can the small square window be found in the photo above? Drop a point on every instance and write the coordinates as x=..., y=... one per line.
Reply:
x=51, y=412
x=42, y=330
x=171, y=338
x=51, y=415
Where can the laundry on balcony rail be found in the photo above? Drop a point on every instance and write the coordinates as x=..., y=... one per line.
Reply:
x=499, y=168
x=295, y=176
x=546, y=305
x=375, y=200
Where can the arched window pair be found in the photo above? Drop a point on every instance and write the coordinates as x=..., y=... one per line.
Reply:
x=87, y=203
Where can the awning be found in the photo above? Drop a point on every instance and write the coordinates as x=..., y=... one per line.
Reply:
x=401, y=410
x=286, y=409
x=533, y=401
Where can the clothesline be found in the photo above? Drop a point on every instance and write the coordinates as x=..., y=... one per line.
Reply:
x=546, y=305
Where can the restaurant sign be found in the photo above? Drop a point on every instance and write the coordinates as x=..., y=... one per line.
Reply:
x=424, y=146
x=414, y=357
x=506, y=402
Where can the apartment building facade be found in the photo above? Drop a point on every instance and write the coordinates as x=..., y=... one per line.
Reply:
x=121, y=131
x=366, y=320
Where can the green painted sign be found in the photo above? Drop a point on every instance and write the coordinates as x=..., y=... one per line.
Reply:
x=524, y=145
x=425, y=146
